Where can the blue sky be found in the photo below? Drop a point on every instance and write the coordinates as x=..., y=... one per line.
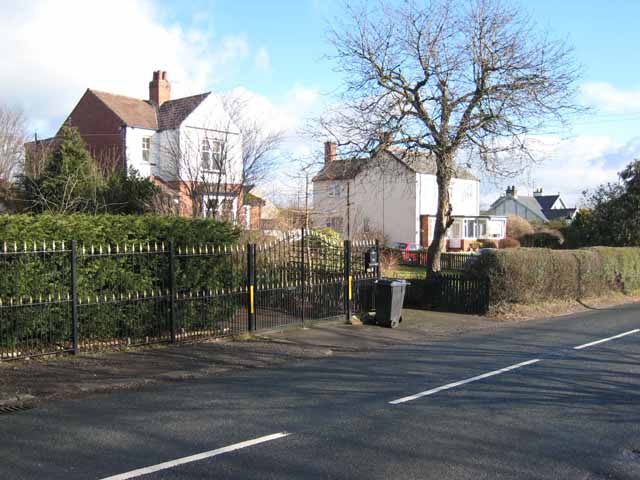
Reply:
x=274, y=50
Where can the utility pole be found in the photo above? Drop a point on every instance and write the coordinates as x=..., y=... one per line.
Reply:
x=306, y=201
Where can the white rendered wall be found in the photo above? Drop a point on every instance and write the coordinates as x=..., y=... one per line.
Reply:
x=134, y=138
x=210, y=120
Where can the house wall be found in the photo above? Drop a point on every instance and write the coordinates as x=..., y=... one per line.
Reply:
x=101, y=129
x=382, y=202
x=211, y=120
x=508, y=206
x=464, y=196
x=134, y=158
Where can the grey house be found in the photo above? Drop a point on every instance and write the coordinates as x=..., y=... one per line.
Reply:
x=536, y=208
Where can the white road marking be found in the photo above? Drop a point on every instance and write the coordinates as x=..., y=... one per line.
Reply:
x=462, y=382
x=591, y=344
x=194, y=458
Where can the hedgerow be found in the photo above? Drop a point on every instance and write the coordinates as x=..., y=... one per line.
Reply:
x=534, y=275
x=115, y=229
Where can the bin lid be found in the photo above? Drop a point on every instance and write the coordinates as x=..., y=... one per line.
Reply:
x=392, y=282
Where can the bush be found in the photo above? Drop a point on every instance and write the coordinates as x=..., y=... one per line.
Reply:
x=115, y=229
x=488, y=243
x=534, y=275
x=543, y=238
x=517, y=227
x=509, y=242
x=39, y=274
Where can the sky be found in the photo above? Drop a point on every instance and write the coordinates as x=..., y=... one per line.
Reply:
x=276, y=53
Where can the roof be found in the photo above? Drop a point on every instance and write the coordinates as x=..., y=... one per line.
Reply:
x=546, y=201
x=559, y=213
x=135, y=112
x=132, y=111
x=173, y=112
x=540, y=205
x=350, y=168
x=341, y=169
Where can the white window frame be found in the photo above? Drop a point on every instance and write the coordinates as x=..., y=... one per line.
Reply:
x=334, y=189
x=212, y=149
x=146, y=149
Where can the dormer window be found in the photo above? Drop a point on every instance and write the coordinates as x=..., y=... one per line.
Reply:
x=211, y=155
x=146, y=149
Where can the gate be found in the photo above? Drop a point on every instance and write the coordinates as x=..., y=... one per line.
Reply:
x=307, y=276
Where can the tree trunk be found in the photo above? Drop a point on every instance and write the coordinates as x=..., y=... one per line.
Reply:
x=443, y=218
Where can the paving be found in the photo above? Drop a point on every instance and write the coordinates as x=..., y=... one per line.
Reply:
x=46, y=378
x=572, y=414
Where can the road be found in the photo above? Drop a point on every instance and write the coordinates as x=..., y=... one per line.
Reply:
x=534, y=401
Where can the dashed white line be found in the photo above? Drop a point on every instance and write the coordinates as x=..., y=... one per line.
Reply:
x=462, y=382
x=591, y=344
x=194, y=458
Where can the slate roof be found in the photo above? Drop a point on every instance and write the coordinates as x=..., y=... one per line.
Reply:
x=546, y=201
x=350, y=168
x=559, y=213
x=540, y=205
x=174, y=112
x=135, y=112
x=341, y=169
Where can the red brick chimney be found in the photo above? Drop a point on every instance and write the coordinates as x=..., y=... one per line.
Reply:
x=329, y=152
x=159, y=88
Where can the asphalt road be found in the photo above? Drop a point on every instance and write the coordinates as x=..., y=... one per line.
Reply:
x=573, y=413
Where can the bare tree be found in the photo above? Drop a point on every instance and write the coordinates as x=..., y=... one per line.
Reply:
x=216, y=161
x=448, y=78
x=260, y=142
x=12, y=140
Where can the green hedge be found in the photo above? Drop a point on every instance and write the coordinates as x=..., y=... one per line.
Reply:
x=533, y=275
x=115, y=229
x=34, y=275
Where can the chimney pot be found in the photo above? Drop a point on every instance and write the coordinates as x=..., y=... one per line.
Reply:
x=329, y=152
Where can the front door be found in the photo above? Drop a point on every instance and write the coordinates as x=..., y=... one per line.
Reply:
x=424, y=231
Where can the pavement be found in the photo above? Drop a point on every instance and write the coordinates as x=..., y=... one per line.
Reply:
x=532, y=400
x=42, y=379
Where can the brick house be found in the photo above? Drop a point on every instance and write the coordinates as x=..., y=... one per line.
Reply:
x=190, y=147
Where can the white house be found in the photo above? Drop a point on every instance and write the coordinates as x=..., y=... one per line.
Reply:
x=397, y=199
x=186, y=145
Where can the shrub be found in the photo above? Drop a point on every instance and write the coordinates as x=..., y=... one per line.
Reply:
x=543, y=238
x=533, y=275
x=115, y=229
x=509, y=242
x=488, y=243
x=518, y=227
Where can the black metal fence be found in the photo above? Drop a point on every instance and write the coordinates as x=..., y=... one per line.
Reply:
x=450, y=292
x=448, y=261
x=67, y=297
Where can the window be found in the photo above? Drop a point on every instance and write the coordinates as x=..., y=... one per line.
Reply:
x=146, y=149
x=469, y=229
x=334, y=189
x=211, y=153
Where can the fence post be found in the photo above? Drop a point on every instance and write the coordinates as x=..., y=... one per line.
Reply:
x=348, y=280
x=302, y=274
x=172, y=289
x=74, y=296
x=377, y=268
x=251, y=281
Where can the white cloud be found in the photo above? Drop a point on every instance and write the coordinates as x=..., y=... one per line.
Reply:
x=610, y=99
x=262, y=60
x=52, y=53
x=571, y=166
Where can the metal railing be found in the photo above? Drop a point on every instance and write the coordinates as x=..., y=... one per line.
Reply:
x=68, y=297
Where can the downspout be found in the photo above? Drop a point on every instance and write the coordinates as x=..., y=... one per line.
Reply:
x=124, y=149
